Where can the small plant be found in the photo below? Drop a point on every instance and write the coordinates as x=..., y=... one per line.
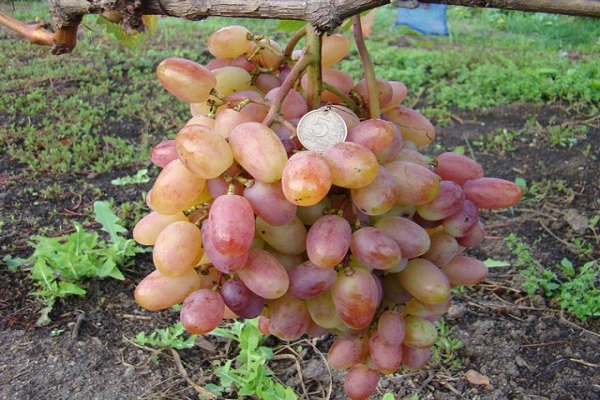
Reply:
x=140, y=177
x=248, y=373
x=60, y=265
x=444, y=349
x=173, y=337
x=576, y=291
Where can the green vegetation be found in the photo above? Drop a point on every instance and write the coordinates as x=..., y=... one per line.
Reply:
x=576, y=290
x=172, y=337
x=248, y=373
x=61, y=266
x=444, y=351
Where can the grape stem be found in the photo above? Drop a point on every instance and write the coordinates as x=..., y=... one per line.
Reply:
x=289, y=48
x=349, y=101
x=314, y=40
x=374, y=110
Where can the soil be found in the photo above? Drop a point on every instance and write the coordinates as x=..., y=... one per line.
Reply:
x=523, y=347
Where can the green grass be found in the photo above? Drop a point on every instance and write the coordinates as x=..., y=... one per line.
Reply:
x=101, y=107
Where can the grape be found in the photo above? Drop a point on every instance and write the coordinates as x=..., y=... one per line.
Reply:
x=345, y=352
x=178, y=248
x=229, y=42
x=202, y=311
x=414, y=358
x=289, y=318
x=399, y=93
x=209, y=277
x=249, y=142
x=349, y=117
x=253, y=308
x=397, y=210
x=384, y=91
x=158, y=292
x=335, y=78
x=463, y=221
x=383, y=355
x=457, y=167
x=306, y=178
x=288, y=238
x=228, y=119
x=449, y=201
x=175, y=189
x=391, y=327
x=148, y=228
x=443, y=248
x=416, y=185
x=271, y=56
x=293, y=106
x=311, y=214
x=265, y=82
x=465, y=271
x=328, y=241
x=379, y=196
x=412, y=239
x=203, y=151
x=473, y=237
x=269, y=202
x=425, y=281
x=360, y=382
x=352, y=165
x=254, y=109
x=243, y=63
x=201, y=120
x=391, y=151
x=323, y=311
x=426, y=311
x=186, y=79
x=264, y=275
x=412, y=156
x=374, y=134
x=335, y=47
x=231, y=220
x=412, y=124
x=374, y=248
x=392, y=291
x=223, y=263
x=492, y=192
x=419, y=332
x=315, y=331
x=235, y=294
x=308, y=280
x=163, y=153
x=355, y=297
x=232, y=79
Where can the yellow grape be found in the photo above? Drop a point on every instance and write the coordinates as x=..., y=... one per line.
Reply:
x=178, y=248
x=419, y=333
x=158, y=292
x=147, y=229
x=232, y=79
x=412, y=124
x=352, y=165
x=229, y=42
x=203, y=151
x=416, y=184
x=306, y=178
x=425, y=281
x=186, y=79
x=176, y=188
x=334, y=48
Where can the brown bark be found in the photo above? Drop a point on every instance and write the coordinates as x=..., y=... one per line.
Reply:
x=324, y=14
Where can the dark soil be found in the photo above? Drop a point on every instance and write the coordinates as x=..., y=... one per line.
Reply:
x=525, y=346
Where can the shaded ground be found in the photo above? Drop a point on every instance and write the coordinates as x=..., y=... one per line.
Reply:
x=525, y=346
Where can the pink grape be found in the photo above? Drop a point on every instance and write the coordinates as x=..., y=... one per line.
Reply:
x=449, y=201
x=355, y=297
x=419, y=332
x=474, y=237
x=425, y=281
x=323, y=311
x=384, y=91
x=352, y=165
x=289, y=318
x=186, y=79
x=163, y=153
x=379, y=196
x=306, y=178
x=158, y=292
x=374, y=134
x=391, y=327
x=463, y=221
x=416, y=185
x=148, y=228
x=414, y=358
x=226, y=265
x=345, y=352
x=269, y=202
x=308, y=280
x=457, y=167
x=465, y=271
x=412, y=239
x=383, y=355
x=264, y=275
x=293, y=106
x=491, y=193
x=442, y=249
x=289, y=238
x=229, y=42
x=412, y=124
x=328, y=241
x=374, y=248
x=231, y=220
x=335, y=47
x=175, y=189
x=360, y=382
x=178, y=248
x=202, y=311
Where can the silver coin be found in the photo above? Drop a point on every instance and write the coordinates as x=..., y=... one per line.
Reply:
x=320, y=129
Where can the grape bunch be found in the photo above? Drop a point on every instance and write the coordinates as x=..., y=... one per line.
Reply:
x=363, y=240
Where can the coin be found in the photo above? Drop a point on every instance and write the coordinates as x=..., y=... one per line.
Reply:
x=320, y=129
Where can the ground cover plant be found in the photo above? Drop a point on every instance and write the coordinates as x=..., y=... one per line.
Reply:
x=500, y=300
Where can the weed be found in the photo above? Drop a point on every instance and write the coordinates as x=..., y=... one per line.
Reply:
x=576, y=290
x=172, y=337
x=248, y=373
x=140, y=177
x=60, y=265
x=444, y=351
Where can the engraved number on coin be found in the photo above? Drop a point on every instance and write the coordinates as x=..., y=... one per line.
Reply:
x=324, y=126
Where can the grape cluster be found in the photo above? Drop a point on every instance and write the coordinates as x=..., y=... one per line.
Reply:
x=363, y=240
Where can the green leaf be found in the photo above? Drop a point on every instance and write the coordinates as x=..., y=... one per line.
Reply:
x=13, y=264
x=490, y=263
x=109, y=221
x=140, y=177
x=287, y=25
x=68, y=288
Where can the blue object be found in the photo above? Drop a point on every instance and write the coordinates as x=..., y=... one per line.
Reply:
x=427, y=20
